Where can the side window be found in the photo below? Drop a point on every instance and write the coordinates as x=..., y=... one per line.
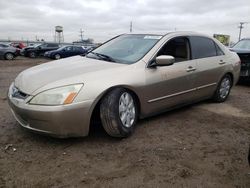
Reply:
x=79, y=48
x=218, y=50
x=75, y=48
x=43, y=46
x=69, y=48
x=178, y=48
x=202, y=47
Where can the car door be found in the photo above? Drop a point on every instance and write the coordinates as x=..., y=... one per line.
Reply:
x=210, y=65
x=69, y=51
x=75, y=50
x=42, y=49
x=168, y=86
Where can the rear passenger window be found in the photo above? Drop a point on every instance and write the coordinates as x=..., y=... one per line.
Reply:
x=202, y=47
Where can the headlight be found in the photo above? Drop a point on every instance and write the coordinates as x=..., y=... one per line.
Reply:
x=57, y=96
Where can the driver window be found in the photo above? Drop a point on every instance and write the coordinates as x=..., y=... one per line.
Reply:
x=178, y=48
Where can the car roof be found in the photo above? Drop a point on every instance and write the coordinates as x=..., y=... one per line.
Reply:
x=172, y=33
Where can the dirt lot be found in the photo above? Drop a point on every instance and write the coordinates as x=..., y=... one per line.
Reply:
x=203, y=145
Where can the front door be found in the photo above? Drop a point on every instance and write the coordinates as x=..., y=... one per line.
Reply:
x=172, y=85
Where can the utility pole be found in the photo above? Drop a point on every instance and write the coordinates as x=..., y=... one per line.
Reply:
x=81, y=34
x=241, y=27
x=131, y=27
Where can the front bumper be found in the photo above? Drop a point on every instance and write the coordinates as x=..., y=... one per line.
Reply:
x=71, y=120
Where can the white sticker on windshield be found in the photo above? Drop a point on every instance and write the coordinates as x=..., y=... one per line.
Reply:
x=152, y=37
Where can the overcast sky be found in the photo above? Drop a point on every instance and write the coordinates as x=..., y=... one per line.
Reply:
x=103, y=19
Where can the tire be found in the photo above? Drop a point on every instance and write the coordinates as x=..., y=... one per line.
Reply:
x=223, y=89
x=57, y=56
x=9, y=56
x=32, y=54
x=117, y=104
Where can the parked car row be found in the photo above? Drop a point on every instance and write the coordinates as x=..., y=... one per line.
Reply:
x=49, y=50
x=53, y=51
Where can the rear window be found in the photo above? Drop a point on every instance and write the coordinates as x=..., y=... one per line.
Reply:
x=202, y=47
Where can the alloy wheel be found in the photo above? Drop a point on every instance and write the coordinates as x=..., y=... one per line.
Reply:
x=127, y=109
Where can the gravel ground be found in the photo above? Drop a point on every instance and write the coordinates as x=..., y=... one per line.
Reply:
x=202, y=145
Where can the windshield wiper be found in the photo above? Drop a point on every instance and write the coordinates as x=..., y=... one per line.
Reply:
x=103, y=56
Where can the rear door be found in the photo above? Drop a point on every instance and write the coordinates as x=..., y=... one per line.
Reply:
x=210, y=64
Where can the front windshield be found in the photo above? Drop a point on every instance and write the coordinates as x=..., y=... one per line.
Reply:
x=125, y=49
x=243, y=44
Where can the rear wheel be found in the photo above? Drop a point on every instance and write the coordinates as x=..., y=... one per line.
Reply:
x=223, y=89
x=9, y=56
x=119, y=113
x=57, y=56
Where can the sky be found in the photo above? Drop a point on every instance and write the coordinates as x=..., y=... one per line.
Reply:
x=104, y=19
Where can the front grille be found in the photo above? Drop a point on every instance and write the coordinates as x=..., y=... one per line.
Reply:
x=16, y=93
x=245, y=58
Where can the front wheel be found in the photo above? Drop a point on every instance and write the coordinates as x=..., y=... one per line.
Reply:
x=9, y=56
x=223, y=89
x=119, y=113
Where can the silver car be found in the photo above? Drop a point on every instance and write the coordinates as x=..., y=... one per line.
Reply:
x=7, y=52
x=129, y=77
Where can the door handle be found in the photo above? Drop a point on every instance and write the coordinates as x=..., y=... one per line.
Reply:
x=190, y=69
x=222, y=62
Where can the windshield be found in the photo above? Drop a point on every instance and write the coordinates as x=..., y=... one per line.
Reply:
x=243, y=44
x=125, y=49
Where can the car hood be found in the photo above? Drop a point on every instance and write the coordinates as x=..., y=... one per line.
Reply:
x=61, y=72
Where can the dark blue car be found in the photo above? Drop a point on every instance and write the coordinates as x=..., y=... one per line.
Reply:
x=65, y=51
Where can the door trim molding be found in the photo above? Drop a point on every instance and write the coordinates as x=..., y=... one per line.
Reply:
x=181, y=93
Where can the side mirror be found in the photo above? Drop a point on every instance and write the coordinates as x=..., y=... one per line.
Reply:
x=164, y=60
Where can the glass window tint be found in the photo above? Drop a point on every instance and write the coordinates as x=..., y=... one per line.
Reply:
x=69, y=48
x=202, y=47
x=178, y=48
x=219, y=51
x=128, y=48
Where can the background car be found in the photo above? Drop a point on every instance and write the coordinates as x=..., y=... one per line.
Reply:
x=8, y=52
x=39, y=50
x=19, y=45
x=242, y=48
x=65, y=51
x=129, y=77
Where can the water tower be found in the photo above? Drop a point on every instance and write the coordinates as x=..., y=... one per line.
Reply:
x=59, y=34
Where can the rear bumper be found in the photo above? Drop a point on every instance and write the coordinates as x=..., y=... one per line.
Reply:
x=59, y=121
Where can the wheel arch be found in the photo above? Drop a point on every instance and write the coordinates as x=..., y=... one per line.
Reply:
x=9, y=53
x=231, y=76
x=95, y=109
